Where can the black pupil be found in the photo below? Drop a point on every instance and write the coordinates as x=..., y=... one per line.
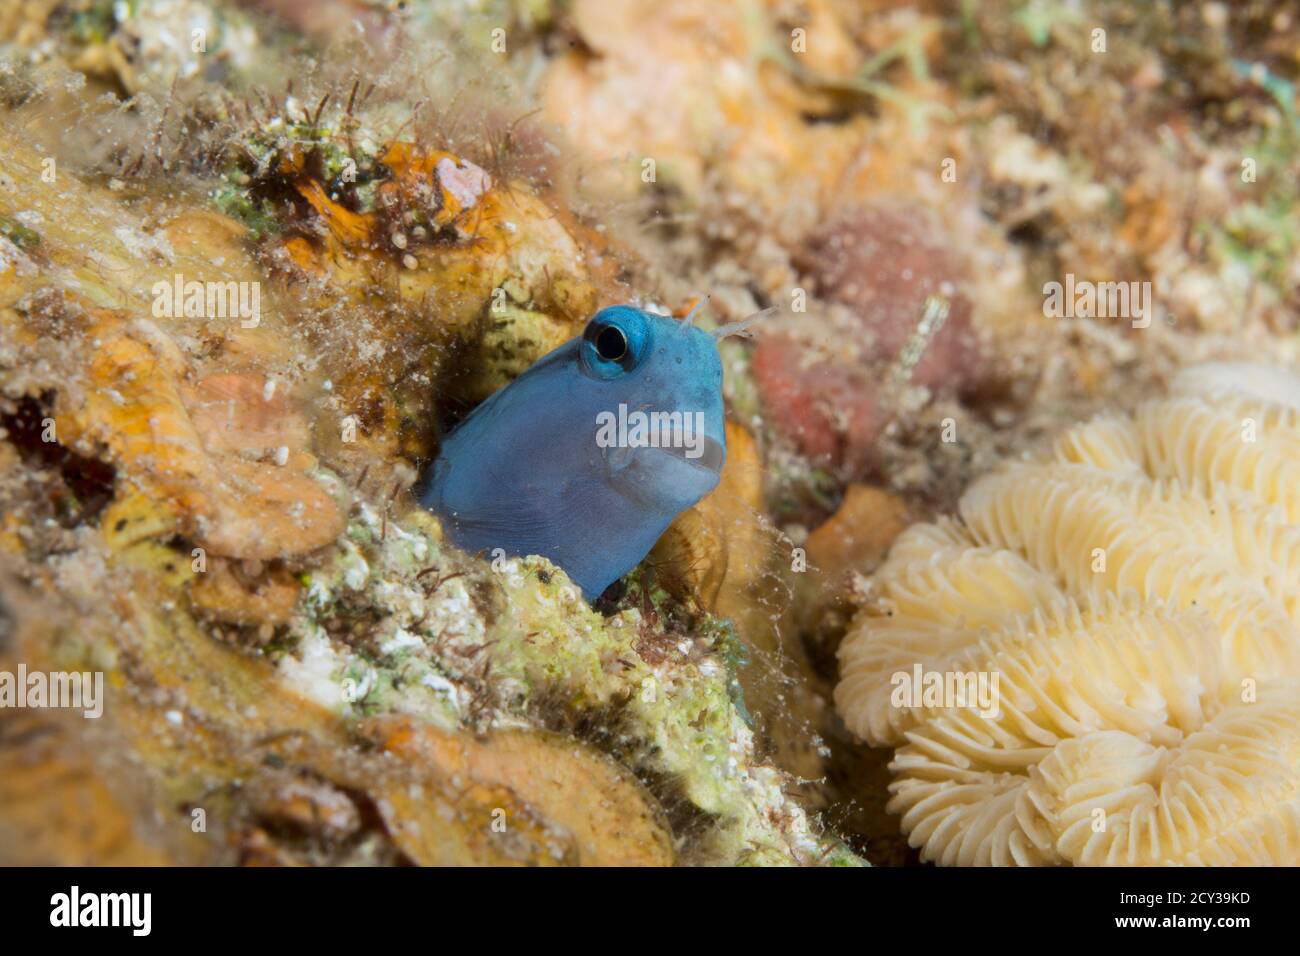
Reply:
x=611, y=344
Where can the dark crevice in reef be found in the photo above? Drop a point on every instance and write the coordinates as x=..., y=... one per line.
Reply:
x=85, y=485
x=6, y=625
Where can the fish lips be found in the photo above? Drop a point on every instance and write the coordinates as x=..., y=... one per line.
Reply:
x=667, y=476
x=680, y=479
x=710, y=456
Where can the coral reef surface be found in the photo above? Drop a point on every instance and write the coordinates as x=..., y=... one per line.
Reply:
x=1134, y=596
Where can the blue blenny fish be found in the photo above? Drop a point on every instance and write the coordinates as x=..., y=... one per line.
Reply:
x=589, y=455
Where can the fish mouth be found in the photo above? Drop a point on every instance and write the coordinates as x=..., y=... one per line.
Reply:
x=712, y=454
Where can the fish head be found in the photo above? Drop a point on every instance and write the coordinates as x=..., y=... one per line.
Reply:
x=654, y=395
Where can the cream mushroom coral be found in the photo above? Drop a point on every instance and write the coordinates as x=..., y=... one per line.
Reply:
x=1136, y=592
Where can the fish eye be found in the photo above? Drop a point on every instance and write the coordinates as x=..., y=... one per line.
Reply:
x=611, y=343
x=614, y=342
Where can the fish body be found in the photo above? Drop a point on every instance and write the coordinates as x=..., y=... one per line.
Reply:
x=580, y=459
